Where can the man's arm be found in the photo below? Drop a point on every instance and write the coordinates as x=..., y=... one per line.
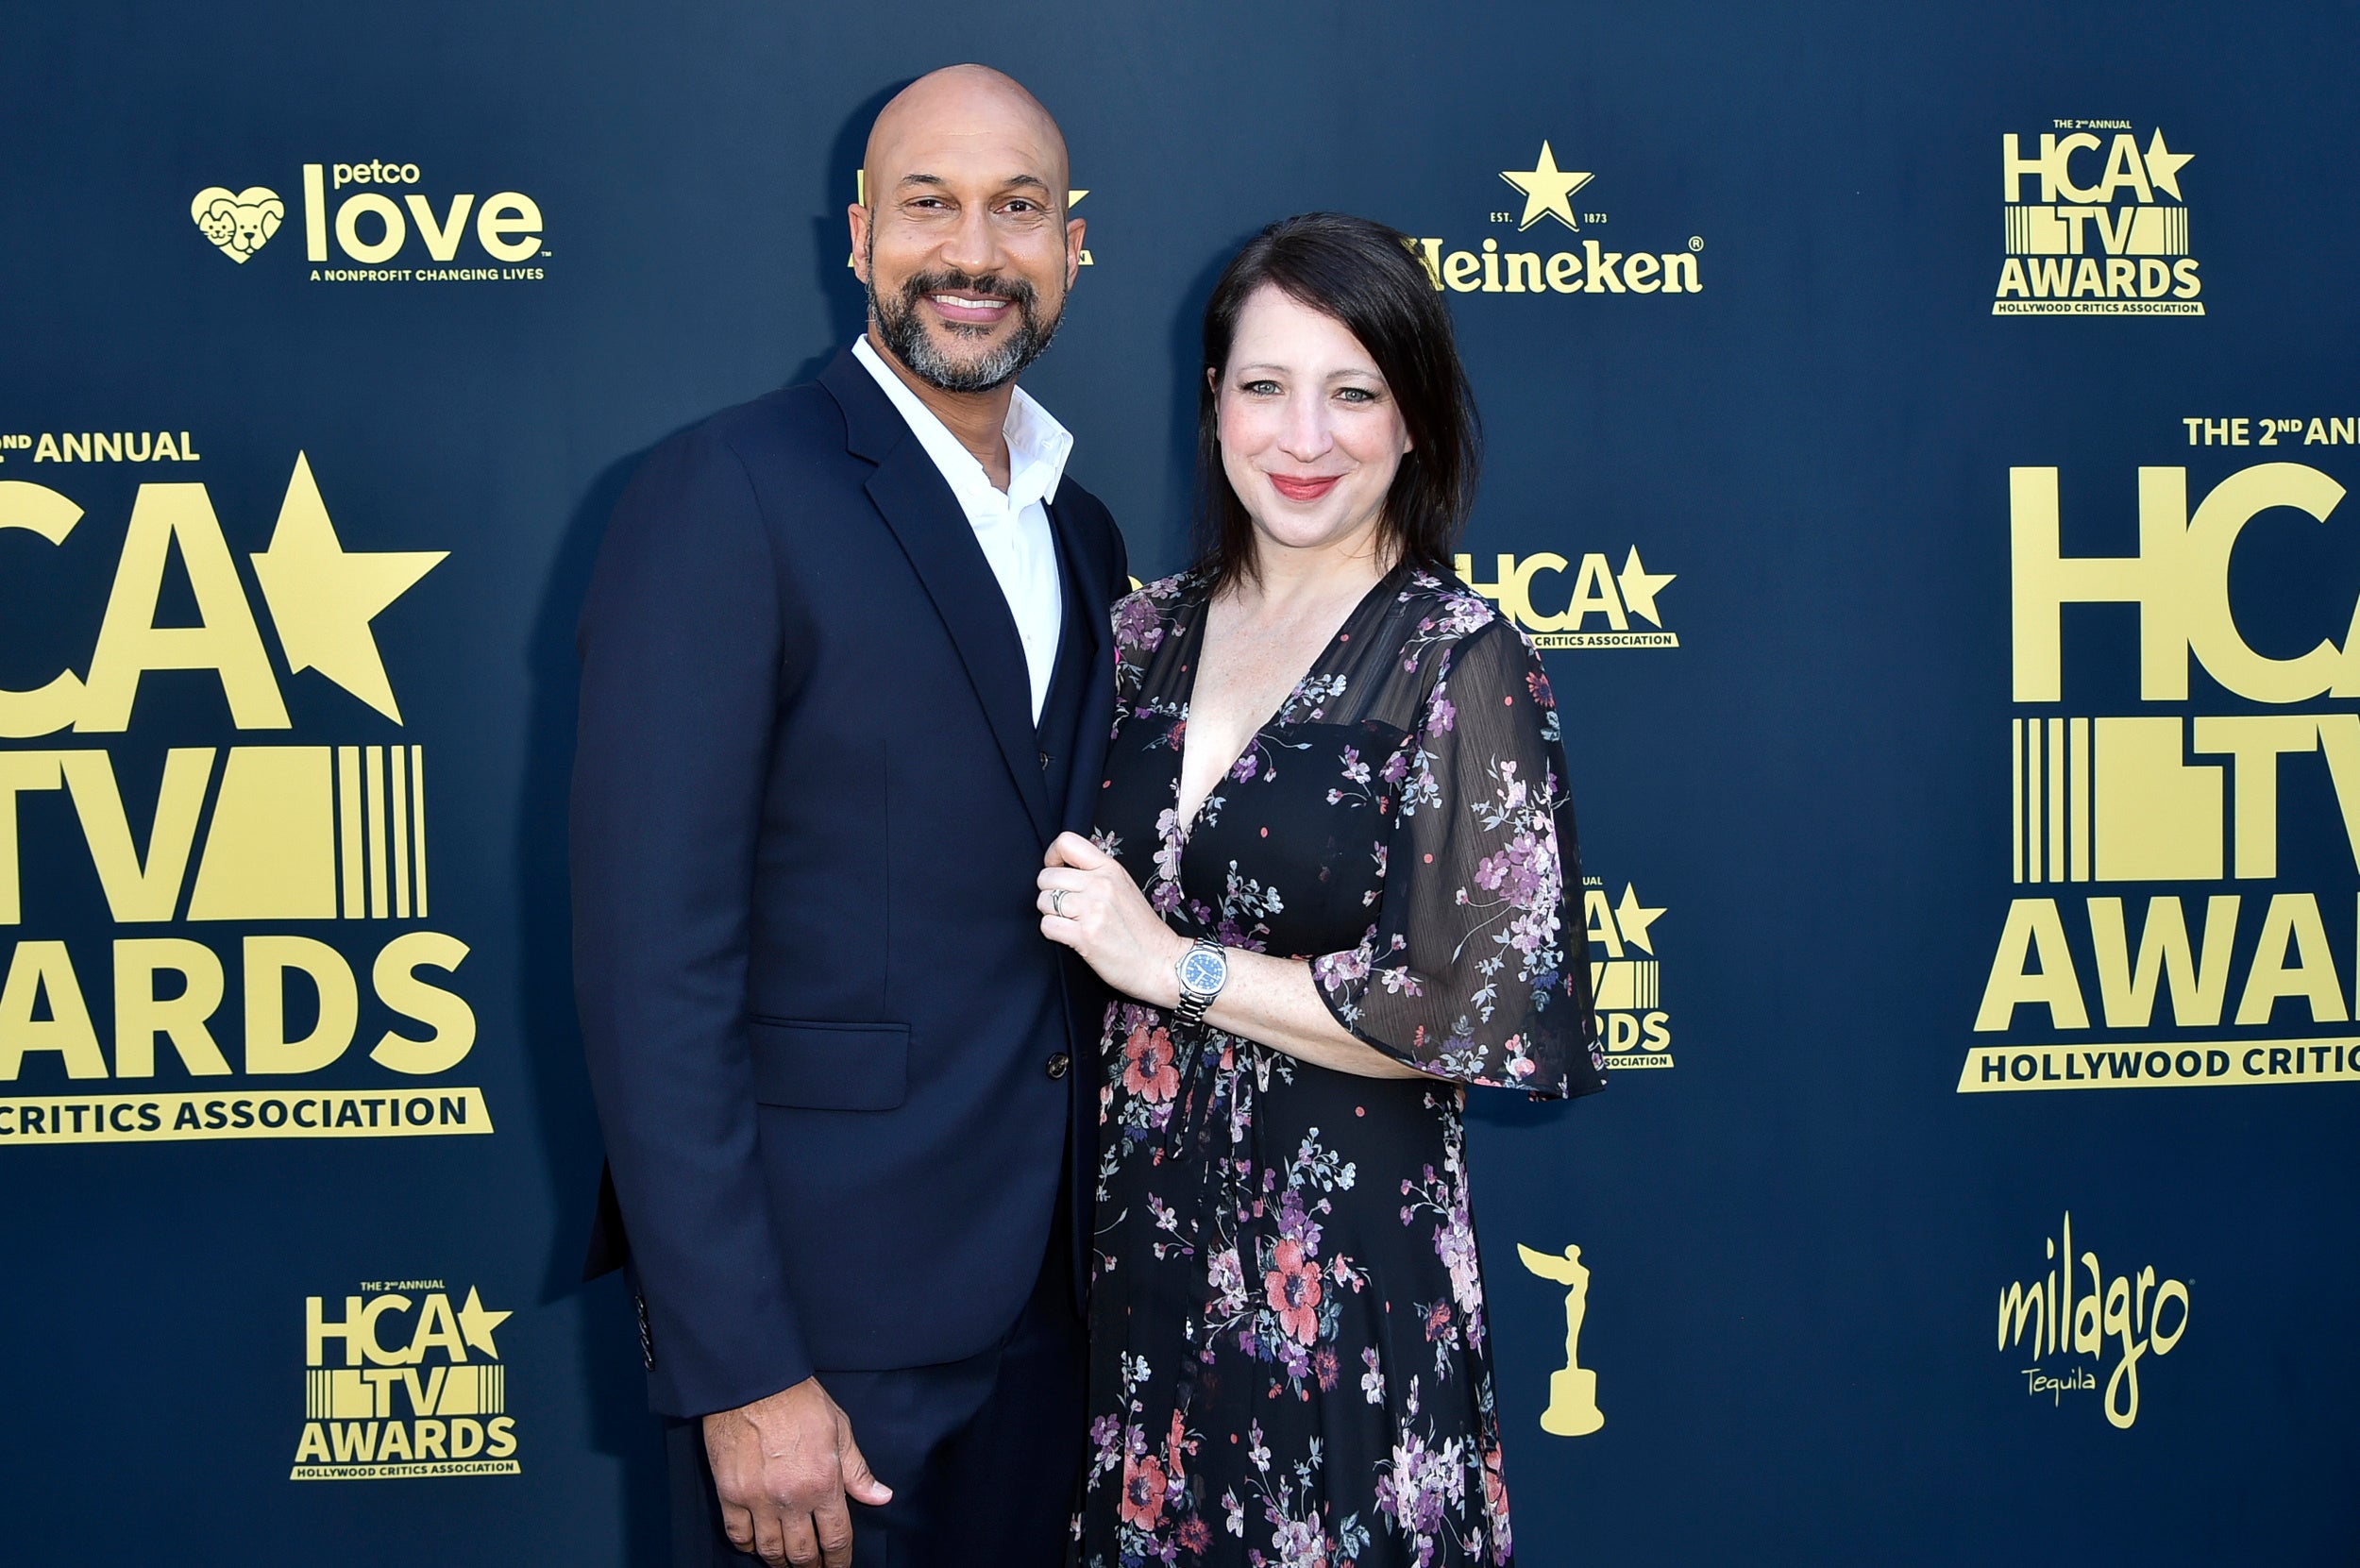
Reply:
x=686, y=656
x=681, y=642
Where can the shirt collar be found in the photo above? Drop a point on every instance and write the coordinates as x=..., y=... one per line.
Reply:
x=1037, y=445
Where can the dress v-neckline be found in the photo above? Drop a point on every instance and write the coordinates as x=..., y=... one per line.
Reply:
x=1192, y=651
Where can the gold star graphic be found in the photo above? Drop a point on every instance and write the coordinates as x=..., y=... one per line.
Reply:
x=2163, y=165
x=1634, y=918
x=322, y=597
x=1545, y=188
x=1639, y=586
x=477, y=1324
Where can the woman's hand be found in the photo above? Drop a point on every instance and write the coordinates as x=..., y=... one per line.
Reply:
x=1088, y=903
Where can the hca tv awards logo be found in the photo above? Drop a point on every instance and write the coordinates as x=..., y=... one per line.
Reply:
x=1617, y=599
x=311, y=851
x=414, y=1386
x=1547, y=208
x=2094, y=225
x=2159, y=936
x=2077, y=1325
x=1625, y=981
x=377, y=238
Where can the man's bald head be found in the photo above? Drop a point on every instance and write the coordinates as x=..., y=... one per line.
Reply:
x=972, y=105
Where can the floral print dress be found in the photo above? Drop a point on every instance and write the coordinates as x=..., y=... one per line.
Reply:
x=1289, y=1358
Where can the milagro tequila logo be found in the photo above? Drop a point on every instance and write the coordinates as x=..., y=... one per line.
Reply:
x=401, y=1385
x=2079, y=1325
x=1625, y=982
x=1542, y=206
x=2094, y=225
x=1562, y=604
x=2184, y=863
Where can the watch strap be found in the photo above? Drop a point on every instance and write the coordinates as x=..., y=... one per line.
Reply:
x=1193, y=1001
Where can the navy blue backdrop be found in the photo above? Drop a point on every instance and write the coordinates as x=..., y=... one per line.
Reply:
x=1965, y=734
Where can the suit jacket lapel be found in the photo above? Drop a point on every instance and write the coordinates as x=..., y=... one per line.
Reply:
x=1087, y=573
x=917, y=504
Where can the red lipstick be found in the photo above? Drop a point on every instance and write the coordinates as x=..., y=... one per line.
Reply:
x=1303, y=489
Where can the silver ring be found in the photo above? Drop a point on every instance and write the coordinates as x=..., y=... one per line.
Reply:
x=1057, y=902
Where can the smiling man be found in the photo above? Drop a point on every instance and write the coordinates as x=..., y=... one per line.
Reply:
x=844, y=678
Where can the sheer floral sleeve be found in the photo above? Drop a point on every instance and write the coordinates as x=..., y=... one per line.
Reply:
x=1475, y=968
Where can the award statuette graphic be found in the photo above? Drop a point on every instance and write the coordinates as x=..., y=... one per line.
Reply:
x=1573, y=1411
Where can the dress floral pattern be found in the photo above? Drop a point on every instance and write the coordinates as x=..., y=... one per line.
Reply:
x=1290, y=1359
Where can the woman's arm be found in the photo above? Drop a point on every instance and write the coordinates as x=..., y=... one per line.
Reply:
x=1272, y=1001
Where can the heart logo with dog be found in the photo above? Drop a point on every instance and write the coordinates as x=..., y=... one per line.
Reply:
x=238, y=222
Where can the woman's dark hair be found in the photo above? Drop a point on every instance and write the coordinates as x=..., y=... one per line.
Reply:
x=1366, y=276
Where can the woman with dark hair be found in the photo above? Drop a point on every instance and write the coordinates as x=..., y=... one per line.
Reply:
x=1334, y=881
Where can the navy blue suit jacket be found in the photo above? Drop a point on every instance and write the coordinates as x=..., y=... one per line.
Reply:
x=809, y=803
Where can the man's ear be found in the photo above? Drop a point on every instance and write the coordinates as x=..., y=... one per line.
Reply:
x=857, y=218
x=1074, y=231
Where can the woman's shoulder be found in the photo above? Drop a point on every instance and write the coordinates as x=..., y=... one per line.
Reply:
x=1144, y=617
x=1452, y=644
x=1438, y=617
x=1444, y=605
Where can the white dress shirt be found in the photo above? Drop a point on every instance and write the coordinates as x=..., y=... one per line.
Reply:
x=1012, y=526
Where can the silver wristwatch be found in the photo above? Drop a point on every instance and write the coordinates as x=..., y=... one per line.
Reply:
x=1203, y=970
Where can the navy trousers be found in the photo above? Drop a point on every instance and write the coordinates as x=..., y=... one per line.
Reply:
x=983, y=1456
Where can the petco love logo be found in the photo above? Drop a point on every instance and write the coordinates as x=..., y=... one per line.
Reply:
x=239, y=223
x=355, y=230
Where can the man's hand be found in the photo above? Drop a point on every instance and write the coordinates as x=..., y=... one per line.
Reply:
x=783, y=1467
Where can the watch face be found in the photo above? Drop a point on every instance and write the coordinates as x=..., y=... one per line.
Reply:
x=1204, y=972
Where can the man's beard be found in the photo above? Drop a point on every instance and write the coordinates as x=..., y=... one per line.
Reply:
x=906, y=336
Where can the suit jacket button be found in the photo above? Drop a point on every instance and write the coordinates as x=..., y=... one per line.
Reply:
x=1060, y=1065
x=1044, y=762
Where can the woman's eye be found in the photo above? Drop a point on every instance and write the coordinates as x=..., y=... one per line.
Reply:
x=1260, y=389
x=1355, y=395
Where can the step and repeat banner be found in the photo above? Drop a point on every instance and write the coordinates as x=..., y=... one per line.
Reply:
x=1919, y=437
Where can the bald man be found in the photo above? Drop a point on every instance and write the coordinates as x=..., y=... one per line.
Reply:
x=846, y=673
